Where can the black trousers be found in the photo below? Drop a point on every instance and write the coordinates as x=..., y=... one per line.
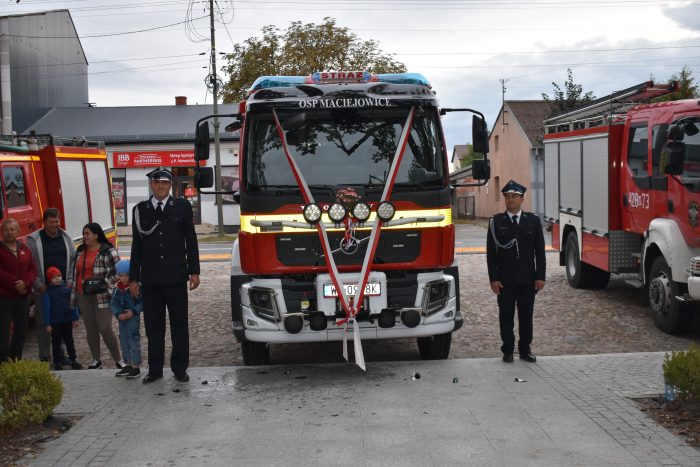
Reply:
x=62, y=332
x=14, y=313
x=156, y=298
x=524, y=297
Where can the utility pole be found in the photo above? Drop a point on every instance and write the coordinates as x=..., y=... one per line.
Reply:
x=217, y=145
x=503, y=101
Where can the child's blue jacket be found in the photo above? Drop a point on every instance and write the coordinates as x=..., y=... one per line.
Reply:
x=122, y=300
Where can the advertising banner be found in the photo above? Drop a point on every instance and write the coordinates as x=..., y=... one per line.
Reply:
x=175, y=158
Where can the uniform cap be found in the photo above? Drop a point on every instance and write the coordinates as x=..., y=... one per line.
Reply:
x=161, y=173
x=52, y=272
x=123, y=267
x=514, y=187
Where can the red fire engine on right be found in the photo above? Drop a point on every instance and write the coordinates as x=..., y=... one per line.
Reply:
x=622, y=191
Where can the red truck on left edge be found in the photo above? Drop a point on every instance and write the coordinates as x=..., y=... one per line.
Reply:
x=75, y=179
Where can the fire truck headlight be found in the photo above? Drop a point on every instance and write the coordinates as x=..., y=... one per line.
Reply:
x=361, y=212
x=312, y=213
x=337, y=212
x=386, y=211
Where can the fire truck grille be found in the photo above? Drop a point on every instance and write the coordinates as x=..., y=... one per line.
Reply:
x=695, y=266
x=305, y=249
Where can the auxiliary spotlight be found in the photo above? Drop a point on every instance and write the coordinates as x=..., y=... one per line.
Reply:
x=337, y=212
x=386, y=211
x=312, y=213
x=410, y=318
x=361, y=212
x=293, y=324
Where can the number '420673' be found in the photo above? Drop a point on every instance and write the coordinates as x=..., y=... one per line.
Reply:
x=638, y=200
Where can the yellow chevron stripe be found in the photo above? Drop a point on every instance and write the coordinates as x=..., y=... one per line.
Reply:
x=247, y=227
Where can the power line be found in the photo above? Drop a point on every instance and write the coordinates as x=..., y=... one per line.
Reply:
x=552, y=51
x=91, y=36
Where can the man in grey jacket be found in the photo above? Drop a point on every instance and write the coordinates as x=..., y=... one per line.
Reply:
x=50, y=246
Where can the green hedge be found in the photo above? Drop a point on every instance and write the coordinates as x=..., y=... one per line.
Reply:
x=28, y=393
x=682, y=371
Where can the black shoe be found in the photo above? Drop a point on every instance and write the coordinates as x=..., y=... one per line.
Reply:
x=95, y=365
x=182, y=376
x=124, y=371
x=64, y=360
x=508, y=357
x=133, y=373
x=150, y=377
x=528, y=357
x=75, y=365
x=57, y=367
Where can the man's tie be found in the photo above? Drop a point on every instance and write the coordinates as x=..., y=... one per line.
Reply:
x=159, y=208
x=515, y=220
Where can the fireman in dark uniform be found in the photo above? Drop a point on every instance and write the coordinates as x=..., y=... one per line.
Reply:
x=164, y=257
x=516, y=264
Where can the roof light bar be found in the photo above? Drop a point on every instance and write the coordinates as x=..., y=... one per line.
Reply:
x=328, y=77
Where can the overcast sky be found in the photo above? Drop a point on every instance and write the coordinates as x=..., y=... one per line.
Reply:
x=464, y=47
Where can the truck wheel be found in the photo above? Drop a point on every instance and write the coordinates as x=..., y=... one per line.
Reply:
x=574, y=274
x=435, y=347
x=255, y=353
x=668, y=313
x=579, y=274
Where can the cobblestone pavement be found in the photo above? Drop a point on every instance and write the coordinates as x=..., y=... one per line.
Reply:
x=567, y=322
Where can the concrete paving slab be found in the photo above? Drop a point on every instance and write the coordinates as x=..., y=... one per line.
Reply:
x=571, y=411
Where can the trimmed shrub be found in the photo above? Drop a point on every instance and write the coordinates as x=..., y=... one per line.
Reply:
x=682, y=371
x=28, y=394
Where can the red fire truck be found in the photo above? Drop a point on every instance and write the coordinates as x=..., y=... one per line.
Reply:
x=346, y=217
x=74, y=179
x=622, y=187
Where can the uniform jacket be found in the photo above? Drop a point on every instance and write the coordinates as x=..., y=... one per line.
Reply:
x=35, y=245
x=103, y=268
x=504, y=264
x=14, y=268
x=56, y=305
x=169, y=254
x=122, y=300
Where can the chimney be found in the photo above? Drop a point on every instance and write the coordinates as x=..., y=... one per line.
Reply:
x=180, y=100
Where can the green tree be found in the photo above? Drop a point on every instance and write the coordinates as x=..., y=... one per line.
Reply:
x=469, y=156
x=568, y=98
x=688, y=88
x=301, y=50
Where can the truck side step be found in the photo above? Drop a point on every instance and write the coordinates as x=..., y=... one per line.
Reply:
x=636, y=283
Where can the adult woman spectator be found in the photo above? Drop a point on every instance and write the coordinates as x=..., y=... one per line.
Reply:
x=17, y=274
x=95, y=271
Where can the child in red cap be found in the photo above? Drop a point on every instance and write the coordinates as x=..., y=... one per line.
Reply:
x=60, y=318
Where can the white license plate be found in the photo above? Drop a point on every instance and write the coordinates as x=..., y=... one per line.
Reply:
x=371, y=289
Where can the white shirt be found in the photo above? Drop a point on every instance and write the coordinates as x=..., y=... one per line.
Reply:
x=154, y=202
x=519, y=214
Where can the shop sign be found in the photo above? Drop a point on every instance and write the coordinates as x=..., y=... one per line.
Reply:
x=123, y=159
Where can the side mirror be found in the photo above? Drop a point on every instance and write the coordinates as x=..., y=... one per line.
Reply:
x=202, y=142
x=204, y=177
x=233, y=126
x=481, y=169
x=674, y=155
x=480, y=135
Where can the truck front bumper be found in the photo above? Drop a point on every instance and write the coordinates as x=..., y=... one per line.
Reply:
x=265, y=319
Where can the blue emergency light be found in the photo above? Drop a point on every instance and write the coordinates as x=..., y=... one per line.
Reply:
x=264, y=82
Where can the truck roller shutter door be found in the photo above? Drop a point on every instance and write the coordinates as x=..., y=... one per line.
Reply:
x=595, y=182
x=551, y=180
x=570, y=164
x=75, y=202
x=99, y=194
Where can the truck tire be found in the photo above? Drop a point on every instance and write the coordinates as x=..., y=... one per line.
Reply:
x=669, y=314
x=579, y=274
x=435, y=347
x=255, y=353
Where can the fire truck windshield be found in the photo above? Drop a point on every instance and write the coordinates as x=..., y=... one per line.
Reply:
x=344, y=147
